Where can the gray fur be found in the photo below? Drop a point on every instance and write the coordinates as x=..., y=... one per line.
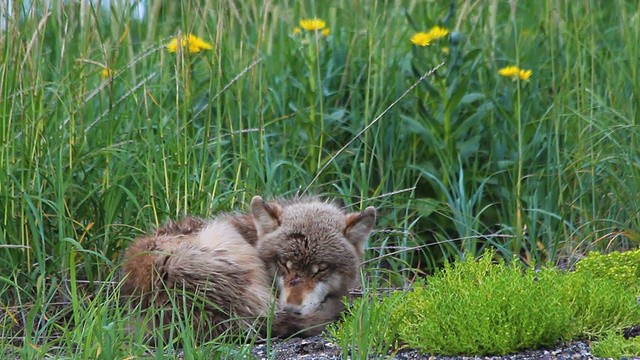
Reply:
x=226, y=267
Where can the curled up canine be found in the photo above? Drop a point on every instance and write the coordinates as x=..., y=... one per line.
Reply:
x=221, y=271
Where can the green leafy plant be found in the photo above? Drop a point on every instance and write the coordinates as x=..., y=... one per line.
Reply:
x=616, y=346
x=621, y=267
x=600, y=305
x=483, y=308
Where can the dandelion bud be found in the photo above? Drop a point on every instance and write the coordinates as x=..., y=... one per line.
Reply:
x=455, y=38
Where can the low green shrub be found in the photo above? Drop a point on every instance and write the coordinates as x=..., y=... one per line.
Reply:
x=482, y=308
x=621, y=267
x=616, y=346
x=600, y=305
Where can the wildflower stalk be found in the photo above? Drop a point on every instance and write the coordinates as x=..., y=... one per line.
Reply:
x=311, y=97
x=449, y=146
x=316, y=140
x=316, y=68
x=314, y=31
x=520, y=135
x=425, y=39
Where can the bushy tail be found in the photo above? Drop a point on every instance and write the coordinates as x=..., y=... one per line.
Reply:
x=212, y=284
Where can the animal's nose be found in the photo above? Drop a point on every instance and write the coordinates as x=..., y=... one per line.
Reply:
x=292, y=309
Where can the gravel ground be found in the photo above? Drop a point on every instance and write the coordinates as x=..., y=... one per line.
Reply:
x=319, y=348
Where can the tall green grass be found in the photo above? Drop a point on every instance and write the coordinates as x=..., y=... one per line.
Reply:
x=544, y=169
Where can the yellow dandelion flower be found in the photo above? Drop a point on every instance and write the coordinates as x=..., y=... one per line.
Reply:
x=438, y=32
x=515, y=72
x=326, y=32
x=525, y=74
x=312, y=24
x=105, y=73
x=509, y=71
x=193, y=43
x=296, y=30
x=421, y=39
x=425, y=38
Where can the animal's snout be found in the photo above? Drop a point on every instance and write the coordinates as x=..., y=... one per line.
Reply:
x=301, y=295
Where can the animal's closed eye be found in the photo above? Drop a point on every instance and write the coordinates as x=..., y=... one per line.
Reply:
x=319, y=268
x=286, y=265
x=297, y=236
x=327, y=297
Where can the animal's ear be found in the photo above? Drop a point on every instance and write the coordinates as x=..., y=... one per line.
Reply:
x=265, y=216
x=358, y=228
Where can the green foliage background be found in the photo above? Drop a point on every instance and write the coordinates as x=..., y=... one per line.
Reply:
x=545, y=170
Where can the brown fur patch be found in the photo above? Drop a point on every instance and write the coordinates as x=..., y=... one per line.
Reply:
x=138, y=267
x=188, y=225
x=246, y=227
